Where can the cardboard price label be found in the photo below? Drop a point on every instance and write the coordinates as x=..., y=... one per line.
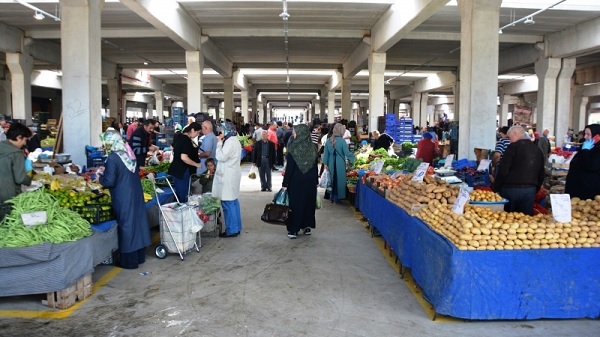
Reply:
x=461, y=201
x=448, y=162
x=561, y=207
x=420, y=172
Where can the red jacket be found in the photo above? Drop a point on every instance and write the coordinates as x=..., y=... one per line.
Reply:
x=427, y=150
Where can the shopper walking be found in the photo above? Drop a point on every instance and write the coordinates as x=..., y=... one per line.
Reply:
x=120, y=177
x=334, y=158
x=300, y=181
x=185, y=160
x=583, y=179
x=14, y=167
x=264, y=159
x=521, y=172
x=226, y=184
x=280, y=132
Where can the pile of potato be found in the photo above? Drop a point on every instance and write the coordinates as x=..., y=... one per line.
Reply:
x=480, y=228
x=483, y=195
x=586, y=210
x=409, y=194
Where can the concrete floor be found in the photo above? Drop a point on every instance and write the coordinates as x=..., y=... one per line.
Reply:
x=334, y=283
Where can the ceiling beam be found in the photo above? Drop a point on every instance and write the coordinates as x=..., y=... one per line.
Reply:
x=216, y=59
x=278, y=32
x=574, y=41
x=401, y=19
x=11, y=41
x=357, y=60
x=529, y=84
x=448, y=36
x=437, y=81
x=518, y=58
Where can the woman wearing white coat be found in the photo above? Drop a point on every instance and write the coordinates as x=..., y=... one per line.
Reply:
x=226, y=184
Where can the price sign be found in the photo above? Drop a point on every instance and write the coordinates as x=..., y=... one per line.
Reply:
x=484, y=164
x=459, y=204
x=397, y=174
x=377, y=166
x=420, y=172
x=561, y=207
x=448, y=162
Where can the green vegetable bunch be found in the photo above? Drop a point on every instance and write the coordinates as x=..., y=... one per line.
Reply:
x=162, y=167
x=148, y=186
x=62, y=224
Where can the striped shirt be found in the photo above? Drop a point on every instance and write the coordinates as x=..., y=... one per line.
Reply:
x=501, y=145
x=315, y=137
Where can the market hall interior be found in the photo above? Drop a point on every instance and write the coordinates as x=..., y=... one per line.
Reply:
x=336, y=282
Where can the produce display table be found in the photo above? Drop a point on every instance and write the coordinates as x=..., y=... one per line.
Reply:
x=486, y=285
x=52, y=267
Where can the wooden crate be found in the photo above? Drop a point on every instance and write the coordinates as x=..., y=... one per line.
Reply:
x=66, y=298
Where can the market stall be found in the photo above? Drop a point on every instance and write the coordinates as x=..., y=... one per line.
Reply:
x=487, y=284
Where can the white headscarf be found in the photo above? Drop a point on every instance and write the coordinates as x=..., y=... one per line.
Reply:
x=114, y=141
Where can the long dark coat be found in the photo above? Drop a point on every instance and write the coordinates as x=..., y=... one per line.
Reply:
x=583, y=179
x=302, y=195
x=128, y=204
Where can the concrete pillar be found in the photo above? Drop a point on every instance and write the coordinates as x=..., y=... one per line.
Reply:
x=245, y=106
x=415, y=112
x=503, y=110
x=322, y=105
x=204, y=104
x=159, y=99
x=254, y=119
x=376, y=64
x=194, y=61
x=150, y=110
x=331, y=106
x=563, y=97
x=82, y=78
x=20, y=67
x=424, y=109
x=265, y=111
x=5, y=92
x=113, y=98
x=228, y=98
x=316, y=111
x=547, y=70
x=478, y=75
x=583, y=114
x=575, y=122
x=393, y=106
x=347, y=98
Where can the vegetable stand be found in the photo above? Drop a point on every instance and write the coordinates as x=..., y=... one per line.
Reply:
x=487, y=285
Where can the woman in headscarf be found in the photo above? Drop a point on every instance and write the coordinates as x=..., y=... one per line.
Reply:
x=226, y=183
x=334, y=157
x=120, y=177
x=427, y=149
x=185, y=160
x=300, y=180
x=583, y=179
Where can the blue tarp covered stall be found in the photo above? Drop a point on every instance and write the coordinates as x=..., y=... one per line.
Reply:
x=487, y=285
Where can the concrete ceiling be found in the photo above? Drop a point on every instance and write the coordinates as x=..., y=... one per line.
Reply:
x=322, y=36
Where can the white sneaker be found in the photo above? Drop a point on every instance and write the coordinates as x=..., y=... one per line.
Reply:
x=292, y=235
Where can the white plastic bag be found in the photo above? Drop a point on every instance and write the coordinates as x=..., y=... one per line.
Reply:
x=324, y=181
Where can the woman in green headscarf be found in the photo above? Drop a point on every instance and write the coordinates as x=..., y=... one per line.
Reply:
x=301, y=180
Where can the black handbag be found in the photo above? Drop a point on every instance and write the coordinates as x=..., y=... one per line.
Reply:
x=276, y=214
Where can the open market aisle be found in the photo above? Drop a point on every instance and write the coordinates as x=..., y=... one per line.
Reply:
x=334, y=283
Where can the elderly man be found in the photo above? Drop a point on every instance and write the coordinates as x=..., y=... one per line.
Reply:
x=521, y=172
x=264, y=159
x=209, y=145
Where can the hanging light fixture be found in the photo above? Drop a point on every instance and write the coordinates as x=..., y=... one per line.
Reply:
x=39, y=16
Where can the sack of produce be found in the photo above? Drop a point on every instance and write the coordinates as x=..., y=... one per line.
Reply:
x=252, y=174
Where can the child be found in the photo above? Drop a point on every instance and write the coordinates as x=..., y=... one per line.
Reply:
x=206, y=180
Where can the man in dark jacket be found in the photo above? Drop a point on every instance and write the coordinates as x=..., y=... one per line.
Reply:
x=521, y=173
x=264, y=158
x=140, y=142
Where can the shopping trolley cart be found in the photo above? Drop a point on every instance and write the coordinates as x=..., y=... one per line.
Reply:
x=179, y=226
x=216, y=220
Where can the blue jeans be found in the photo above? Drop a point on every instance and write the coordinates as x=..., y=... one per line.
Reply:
x=520, y=199
x=181, y=186
x=233, y=217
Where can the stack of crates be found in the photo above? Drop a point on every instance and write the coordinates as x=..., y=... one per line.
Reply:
x=95, y=156
x=404, y=130
x=391, y=124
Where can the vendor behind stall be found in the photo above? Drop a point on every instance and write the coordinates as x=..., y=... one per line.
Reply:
x=140, y=142
x=14, y=167
x=119, y=176
x=583, y=180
